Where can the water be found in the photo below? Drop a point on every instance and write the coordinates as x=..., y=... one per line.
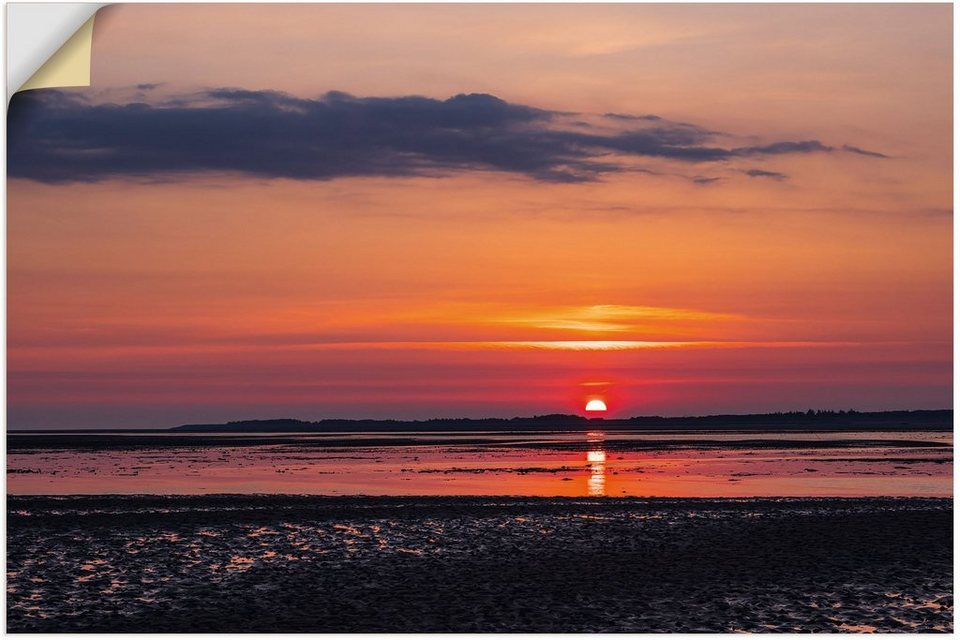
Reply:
x=665, y=463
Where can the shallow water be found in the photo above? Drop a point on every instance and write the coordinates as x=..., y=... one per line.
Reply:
x=668, y=464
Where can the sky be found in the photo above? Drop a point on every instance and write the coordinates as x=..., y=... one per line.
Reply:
x=417, y=211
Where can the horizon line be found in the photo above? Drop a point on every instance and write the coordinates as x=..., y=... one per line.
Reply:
x=588, y=419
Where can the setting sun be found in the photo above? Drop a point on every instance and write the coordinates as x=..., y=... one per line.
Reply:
x=596, y=405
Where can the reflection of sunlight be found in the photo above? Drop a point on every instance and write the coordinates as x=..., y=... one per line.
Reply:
x=597, y=457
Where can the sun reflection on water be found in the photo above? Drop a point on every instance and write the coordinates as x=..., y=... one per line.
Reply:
x=597, y=457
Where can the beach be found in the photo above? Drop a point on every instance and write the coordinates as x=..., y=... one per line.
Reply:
x=231, y=563
x=481, y=532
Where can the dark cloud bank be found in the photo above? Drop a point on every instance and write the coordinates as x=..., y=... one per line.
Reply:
x=56, y=136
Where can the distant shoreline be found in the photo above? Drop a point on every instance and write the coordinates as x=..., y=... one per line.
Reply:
x=827, y=421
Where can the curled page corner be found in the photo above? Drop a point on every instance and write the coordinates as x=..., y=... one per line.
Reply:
x=46, y=48
x=69, y=66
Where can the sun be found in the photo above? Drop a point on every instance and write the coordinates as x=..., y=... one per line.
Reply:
x=596, y=405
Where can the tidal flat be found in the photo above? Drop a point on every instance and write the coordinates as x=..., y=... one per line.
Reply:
x=239, y=563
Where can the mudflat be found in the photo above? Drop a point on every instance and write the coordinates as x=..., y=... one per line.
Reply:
x=232, y=563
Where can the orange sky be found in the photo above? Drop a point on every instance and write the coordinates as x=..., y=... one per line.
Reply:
x=667, y=286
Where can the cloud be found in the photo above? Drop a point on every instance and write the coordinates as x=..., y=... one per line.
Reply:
x=778, y=148
x=627, y=116
x=60, y=136
x=615, y=318
x=760, y=173
x=863, y=152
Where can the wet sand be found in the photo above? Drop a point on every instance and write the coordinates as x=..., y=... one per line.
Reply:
x=458, y=564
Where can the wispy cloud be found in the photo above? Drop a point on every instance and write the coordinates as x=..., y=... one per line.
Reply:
x=761, y=173
x=612, y=318
x=863, y=152
x=445, y=345
x=60, y=136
